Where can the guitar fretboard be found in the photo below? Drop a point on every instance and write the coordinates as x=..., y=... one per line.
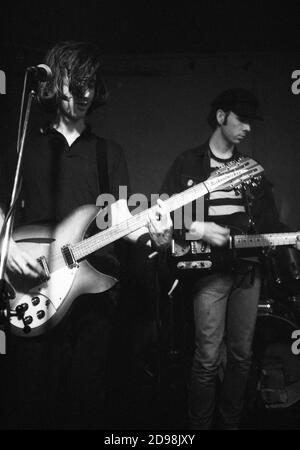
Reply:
x=112, y=234
x=265, y=240
x=232, y=174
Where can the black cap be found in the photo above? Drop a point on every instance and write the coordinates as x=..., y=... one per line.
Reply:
x=240, y=101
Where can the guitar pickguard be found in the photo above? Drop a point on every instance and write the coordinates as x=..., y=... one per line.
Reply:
x=191, y=255
x=42, y=302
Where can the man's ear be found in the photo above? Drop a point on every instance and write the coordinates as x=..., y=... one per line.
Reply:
x=220, y=116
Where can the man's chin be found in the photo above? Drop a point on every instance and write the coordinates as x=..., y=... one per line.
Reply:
x=237, y=140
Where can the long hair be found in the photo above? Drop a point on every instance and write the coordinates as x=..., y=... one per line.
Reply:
x=80, y=63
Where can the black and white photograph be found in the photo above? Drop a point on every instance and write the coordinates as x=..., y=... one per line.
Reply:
x=149, y=217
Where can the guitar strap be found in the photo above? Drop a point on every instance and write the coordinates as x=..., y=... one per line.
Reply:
x=248, y=200
x=102, y=167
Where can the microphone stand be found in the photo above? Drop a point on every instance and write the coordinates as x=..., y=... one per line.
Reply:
x=6, y=291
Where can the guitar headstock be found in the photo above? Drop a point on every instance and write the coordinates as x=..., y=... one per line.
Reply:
x=254, y=182
x=235, y=174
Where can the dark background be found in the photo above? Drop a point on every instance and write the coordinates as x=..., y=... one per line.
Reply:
x=126, y=27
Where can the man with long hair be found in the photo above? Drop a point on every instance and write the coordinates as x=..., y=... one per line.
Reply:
x=67, y=165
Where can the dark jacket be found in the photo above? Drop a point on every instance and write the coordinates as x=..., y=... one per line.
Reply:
x=194, y=164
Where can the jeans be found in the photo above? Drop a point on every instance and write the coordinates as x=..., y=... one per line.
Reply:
x=225, y=310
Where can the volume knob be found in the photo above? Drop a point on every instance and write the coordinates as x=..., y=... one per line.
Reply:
x=35, y=301
x=22, y=308
x=40, y=314
x=28, y=320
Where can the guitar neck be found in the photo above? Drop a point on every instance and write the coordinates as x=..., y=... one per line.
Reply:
x=264, y=240
x=229, y=176
x=116, y=232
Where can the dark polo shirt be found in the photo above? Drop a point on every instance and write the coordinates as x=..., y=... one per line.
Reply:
x=57, y=178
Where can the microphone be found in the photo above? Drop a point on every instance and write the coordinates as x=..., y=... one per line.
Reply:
x=41, y=72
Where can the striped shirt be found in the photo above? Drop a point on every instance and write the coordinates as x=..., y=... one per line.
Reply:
x=223, y=203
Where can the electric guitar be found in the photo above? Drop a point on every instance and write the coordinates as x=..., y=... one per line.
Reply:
x=62, y=251
x=201, y=255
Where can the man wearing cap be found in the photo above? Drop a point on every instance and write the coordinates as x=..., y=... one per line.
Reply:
x=224, y=302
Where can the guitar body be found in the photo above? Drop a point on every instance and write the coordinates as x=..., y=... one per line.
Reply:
x=195, y=255
x=48, y=302
x=242, y=246
x=191, y=255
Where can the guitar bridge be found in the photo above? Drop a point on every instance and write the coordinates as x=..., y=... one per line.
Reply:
x=69, y=256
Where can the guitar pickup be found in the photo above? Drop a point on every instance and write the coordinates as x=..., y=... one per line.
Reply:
x=199, y=247
x=194, y=265
x=43, y=262
x=69, y=256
